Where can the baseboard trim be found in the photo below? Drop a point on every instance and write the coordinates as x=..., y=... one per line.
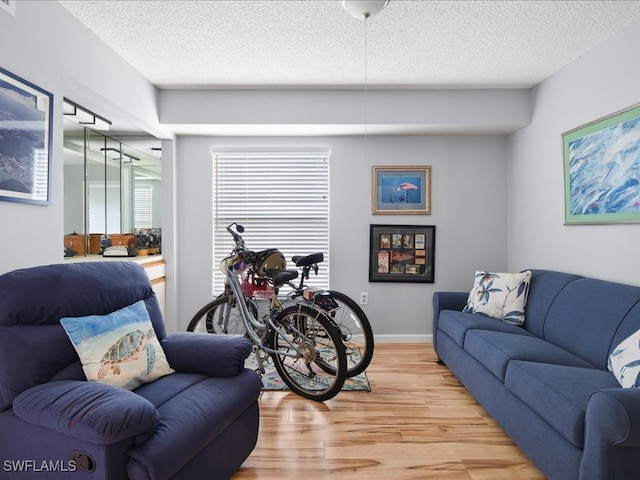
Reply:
x=416, y=338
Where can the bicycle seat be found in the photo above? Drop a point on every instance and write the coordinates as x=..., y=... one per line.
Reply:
x=307, y=260
x=280, y=277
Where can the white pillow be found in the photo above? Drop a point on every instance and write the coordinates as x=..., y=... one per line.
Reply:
x=500, y=295
x=624, y=361
x=119, y=349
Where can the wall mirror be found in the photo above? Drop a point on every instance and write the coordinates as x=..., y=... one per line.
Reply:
x=112, y=189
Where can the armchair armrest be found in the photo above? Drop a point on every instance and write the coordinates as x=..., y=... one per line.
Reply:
x=206, y=353
x=612, y=420
x=89, y=411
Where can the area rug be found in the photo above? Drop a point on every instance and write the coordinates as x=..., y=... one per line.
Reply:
x=272, y=381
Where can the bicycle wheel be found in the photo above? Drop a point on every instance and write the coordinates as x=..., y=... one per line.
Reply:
x=309, y=355
x=356, y=332
x=222, y=316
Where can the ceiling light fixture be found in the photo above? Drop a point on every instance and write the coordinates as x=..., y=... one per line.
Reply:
x=82, y=116
x=364, y=8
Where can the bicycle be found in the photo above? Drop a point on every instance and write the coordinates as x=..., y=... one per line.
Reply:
x=305, y=346
x=355, y=329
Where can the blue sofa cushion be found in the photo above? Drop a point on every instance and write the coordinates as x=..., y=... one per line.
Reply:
x=558, y=393
x=544, y=288
x=194, y=410
x=586, y=316
x=89, y=411
x=495, y=350
x=456, y=325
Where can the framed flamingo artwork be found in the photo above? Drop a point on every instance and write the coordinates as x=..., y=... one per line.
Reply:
x=401, y=190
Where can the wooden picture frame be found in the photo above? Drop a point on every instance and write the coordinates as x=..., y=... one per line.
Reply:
x=402, y=190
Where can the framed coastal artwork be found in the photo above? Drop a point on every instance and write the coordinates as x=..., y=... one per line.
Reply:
x=25, y=140
x=402, y=253
x=602, y=170
x=401, y=190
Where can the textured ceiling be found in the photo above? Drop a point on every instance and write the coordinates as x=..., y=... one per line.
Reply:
x=316, y=43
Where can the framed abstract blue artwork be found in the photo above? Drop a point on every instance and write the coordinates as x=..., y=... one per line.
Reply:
x=602, y=170
x=401, y=190
x=25, y=140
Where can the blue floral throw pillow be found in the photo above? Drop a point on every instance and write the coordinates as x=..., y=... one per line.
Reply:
x=119, y=349
x=624, y=361
x=500, y=295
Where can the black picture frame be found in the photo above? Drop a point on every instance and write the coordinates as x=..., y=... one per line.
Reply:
x=402, y=253
x=25, y=140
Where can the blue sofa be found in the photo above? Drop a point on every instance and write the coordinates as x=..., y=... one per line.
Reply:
x=547, y=383
x=199, y=422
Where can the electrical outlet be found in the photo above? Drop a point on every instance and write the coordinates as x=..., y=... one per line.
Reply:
x=364, y=298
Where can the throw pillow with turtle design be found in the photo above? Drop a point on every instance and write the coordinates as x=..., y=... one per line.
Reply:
x=119, y=349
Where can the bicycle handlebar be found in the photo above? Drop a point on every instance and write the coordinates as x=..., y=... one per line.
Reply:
x=236, y=235
x=248, y=256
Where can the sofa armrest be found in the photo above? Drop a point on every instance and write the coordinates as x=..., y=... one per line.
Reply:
x=89, y=411
x=612, y=420
x=446, y=301
x=449, y=301
x=209, y=354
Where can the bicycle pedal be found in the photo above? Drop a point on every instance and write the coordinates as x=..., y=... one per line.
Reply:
x=260, y=370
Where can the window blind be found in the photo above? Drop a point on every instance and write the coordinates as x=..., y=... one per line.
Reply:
x=41, y=175
x=280, y=198
x=143, y=207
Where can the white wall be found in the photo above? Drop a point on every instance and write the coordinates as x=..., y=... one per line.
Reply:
x=468, y=209
x=603, y=81
x=29, y=230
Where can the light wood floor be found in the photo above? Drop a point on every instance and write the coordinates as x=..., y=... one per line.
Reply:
x=418, y=422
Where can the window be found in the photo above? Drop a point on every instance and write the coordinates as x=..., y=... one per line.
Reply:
x=280, y=198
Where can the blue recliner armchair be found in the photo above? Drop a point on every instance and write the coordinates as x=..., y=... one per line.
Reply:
x=200, y=422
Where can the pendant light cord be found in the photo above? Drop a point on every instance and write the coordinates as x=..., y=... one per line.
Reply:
x=366, y=103
x=367, y=170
